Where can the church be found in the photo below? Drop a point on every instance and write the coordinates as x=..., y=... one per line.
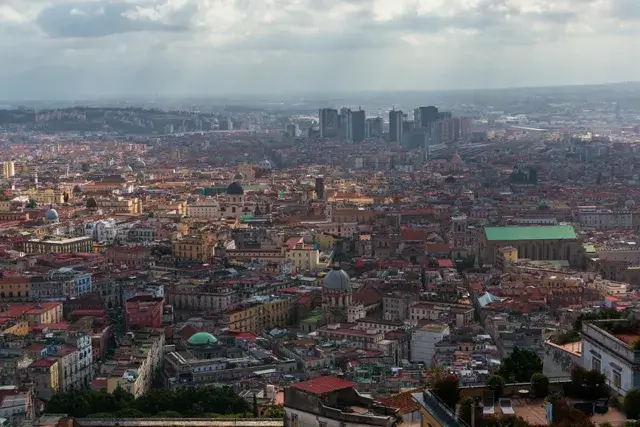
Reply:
x=234, y=203
x=337, y=298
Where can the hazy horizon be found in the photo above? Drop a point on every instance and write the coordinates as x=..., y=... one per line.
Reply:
x=86, y=49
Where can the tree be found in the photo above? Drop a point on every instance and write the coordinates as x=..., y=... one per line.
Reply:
x=168, y=414
x=632, y=403
x=496, y=384
x=520, y=366
x=255, y=405
x=590, y=385
x=31, y=204
x=186, y=402
x=467, y=406
x=565, y=415
x=539, y=385
x=447, y=389
x=274, y=411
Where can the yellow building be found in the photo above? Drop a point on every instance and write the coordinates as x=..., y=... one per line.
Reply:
x=132, y=206
x=304, y=258
x=44, y=313
x=18, y=328
x=14, y=289
x=45, y=196
x=193, y=248
x=325, y=241
x=259, y=315
x=44, y=376
x=58, y=245
x=8, y=169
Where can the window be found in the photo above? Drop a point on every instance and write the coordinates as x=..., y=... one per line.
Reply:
x=595, y=364
x=322, y=424
x=617, y=380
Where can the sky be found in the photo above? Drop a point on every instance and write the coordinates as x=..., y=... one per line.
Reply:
x=82, y=49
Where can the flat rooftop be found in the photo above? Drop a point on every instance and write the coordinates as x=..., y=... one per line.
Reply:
x=535, y=412
x=542, y=232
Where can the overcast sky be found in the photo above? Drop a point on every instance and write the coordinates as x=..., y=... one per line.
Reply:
x=95, y=48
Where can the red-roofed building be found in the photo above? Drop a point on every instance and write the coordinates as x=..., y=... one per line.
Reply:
x=324, y=385
x=314, y=402
x=144, y=312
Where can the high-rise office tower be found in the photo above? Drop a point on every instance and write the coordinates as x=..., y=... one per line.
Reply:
x=8, y=169
x=319, y=187
x=395, y=125
x=292, y=130
x=329, y=123
x=358, y=125
x=373, y=127
x=346, y=124
x=424, y=116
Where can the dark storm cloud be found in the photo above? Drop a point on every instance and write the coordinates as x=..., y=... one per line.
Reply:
x=92, y=20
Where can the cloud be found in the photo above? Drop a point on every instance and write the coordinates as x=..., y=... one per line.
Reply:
x=79, y=47
x=99, y=19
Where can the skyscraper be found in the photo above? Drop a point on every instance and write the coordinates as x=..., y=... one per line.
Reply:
x=329, y=123
x=373, y=127
x=346, y=124
x=395, y=125
x=358, y=125
x=424, y=116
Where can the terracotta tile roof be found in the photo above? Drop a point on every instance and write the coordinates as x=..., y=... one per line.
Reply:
x=403, y=402
x=323, y=385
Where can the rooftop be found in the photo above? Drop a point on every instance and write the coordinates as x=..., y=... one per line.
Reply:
x=545, y=232
x=323, y=385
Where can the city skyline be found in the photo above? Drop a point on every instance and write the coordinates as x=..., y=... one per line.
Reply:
x=82, y=49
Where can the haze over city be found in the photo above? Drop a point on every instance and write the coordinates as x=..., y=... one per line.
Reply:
x=319, y=213
x=102, y=48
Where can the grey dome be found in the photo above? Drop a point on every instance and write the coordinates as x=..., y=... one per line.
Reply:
x=336, y=280
x=630, y=204
x=266, y=164
x=52, y=215
x=128, y=168
x=235, y=189
x=238, y=176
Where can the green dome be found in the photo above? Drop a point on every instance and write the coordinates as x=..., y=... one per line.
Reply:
x=543, y=204
x=202, y=338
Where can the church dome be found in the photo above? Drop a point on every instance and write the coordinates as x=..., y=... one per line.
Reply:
x=91, y=203
x=630, y=204
x=238, y=177
x=202, y=339
x=128, y=169
x=235, y=189
x=266, y=164
x=336, y=280
x=543, y=205
x=52, y=215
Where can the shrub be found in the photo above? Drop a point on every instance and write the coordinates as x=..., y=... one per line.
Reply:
x=467, y=406
x=539, y=385
x=632, y=403
x=496, y=384
x=448, y=390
